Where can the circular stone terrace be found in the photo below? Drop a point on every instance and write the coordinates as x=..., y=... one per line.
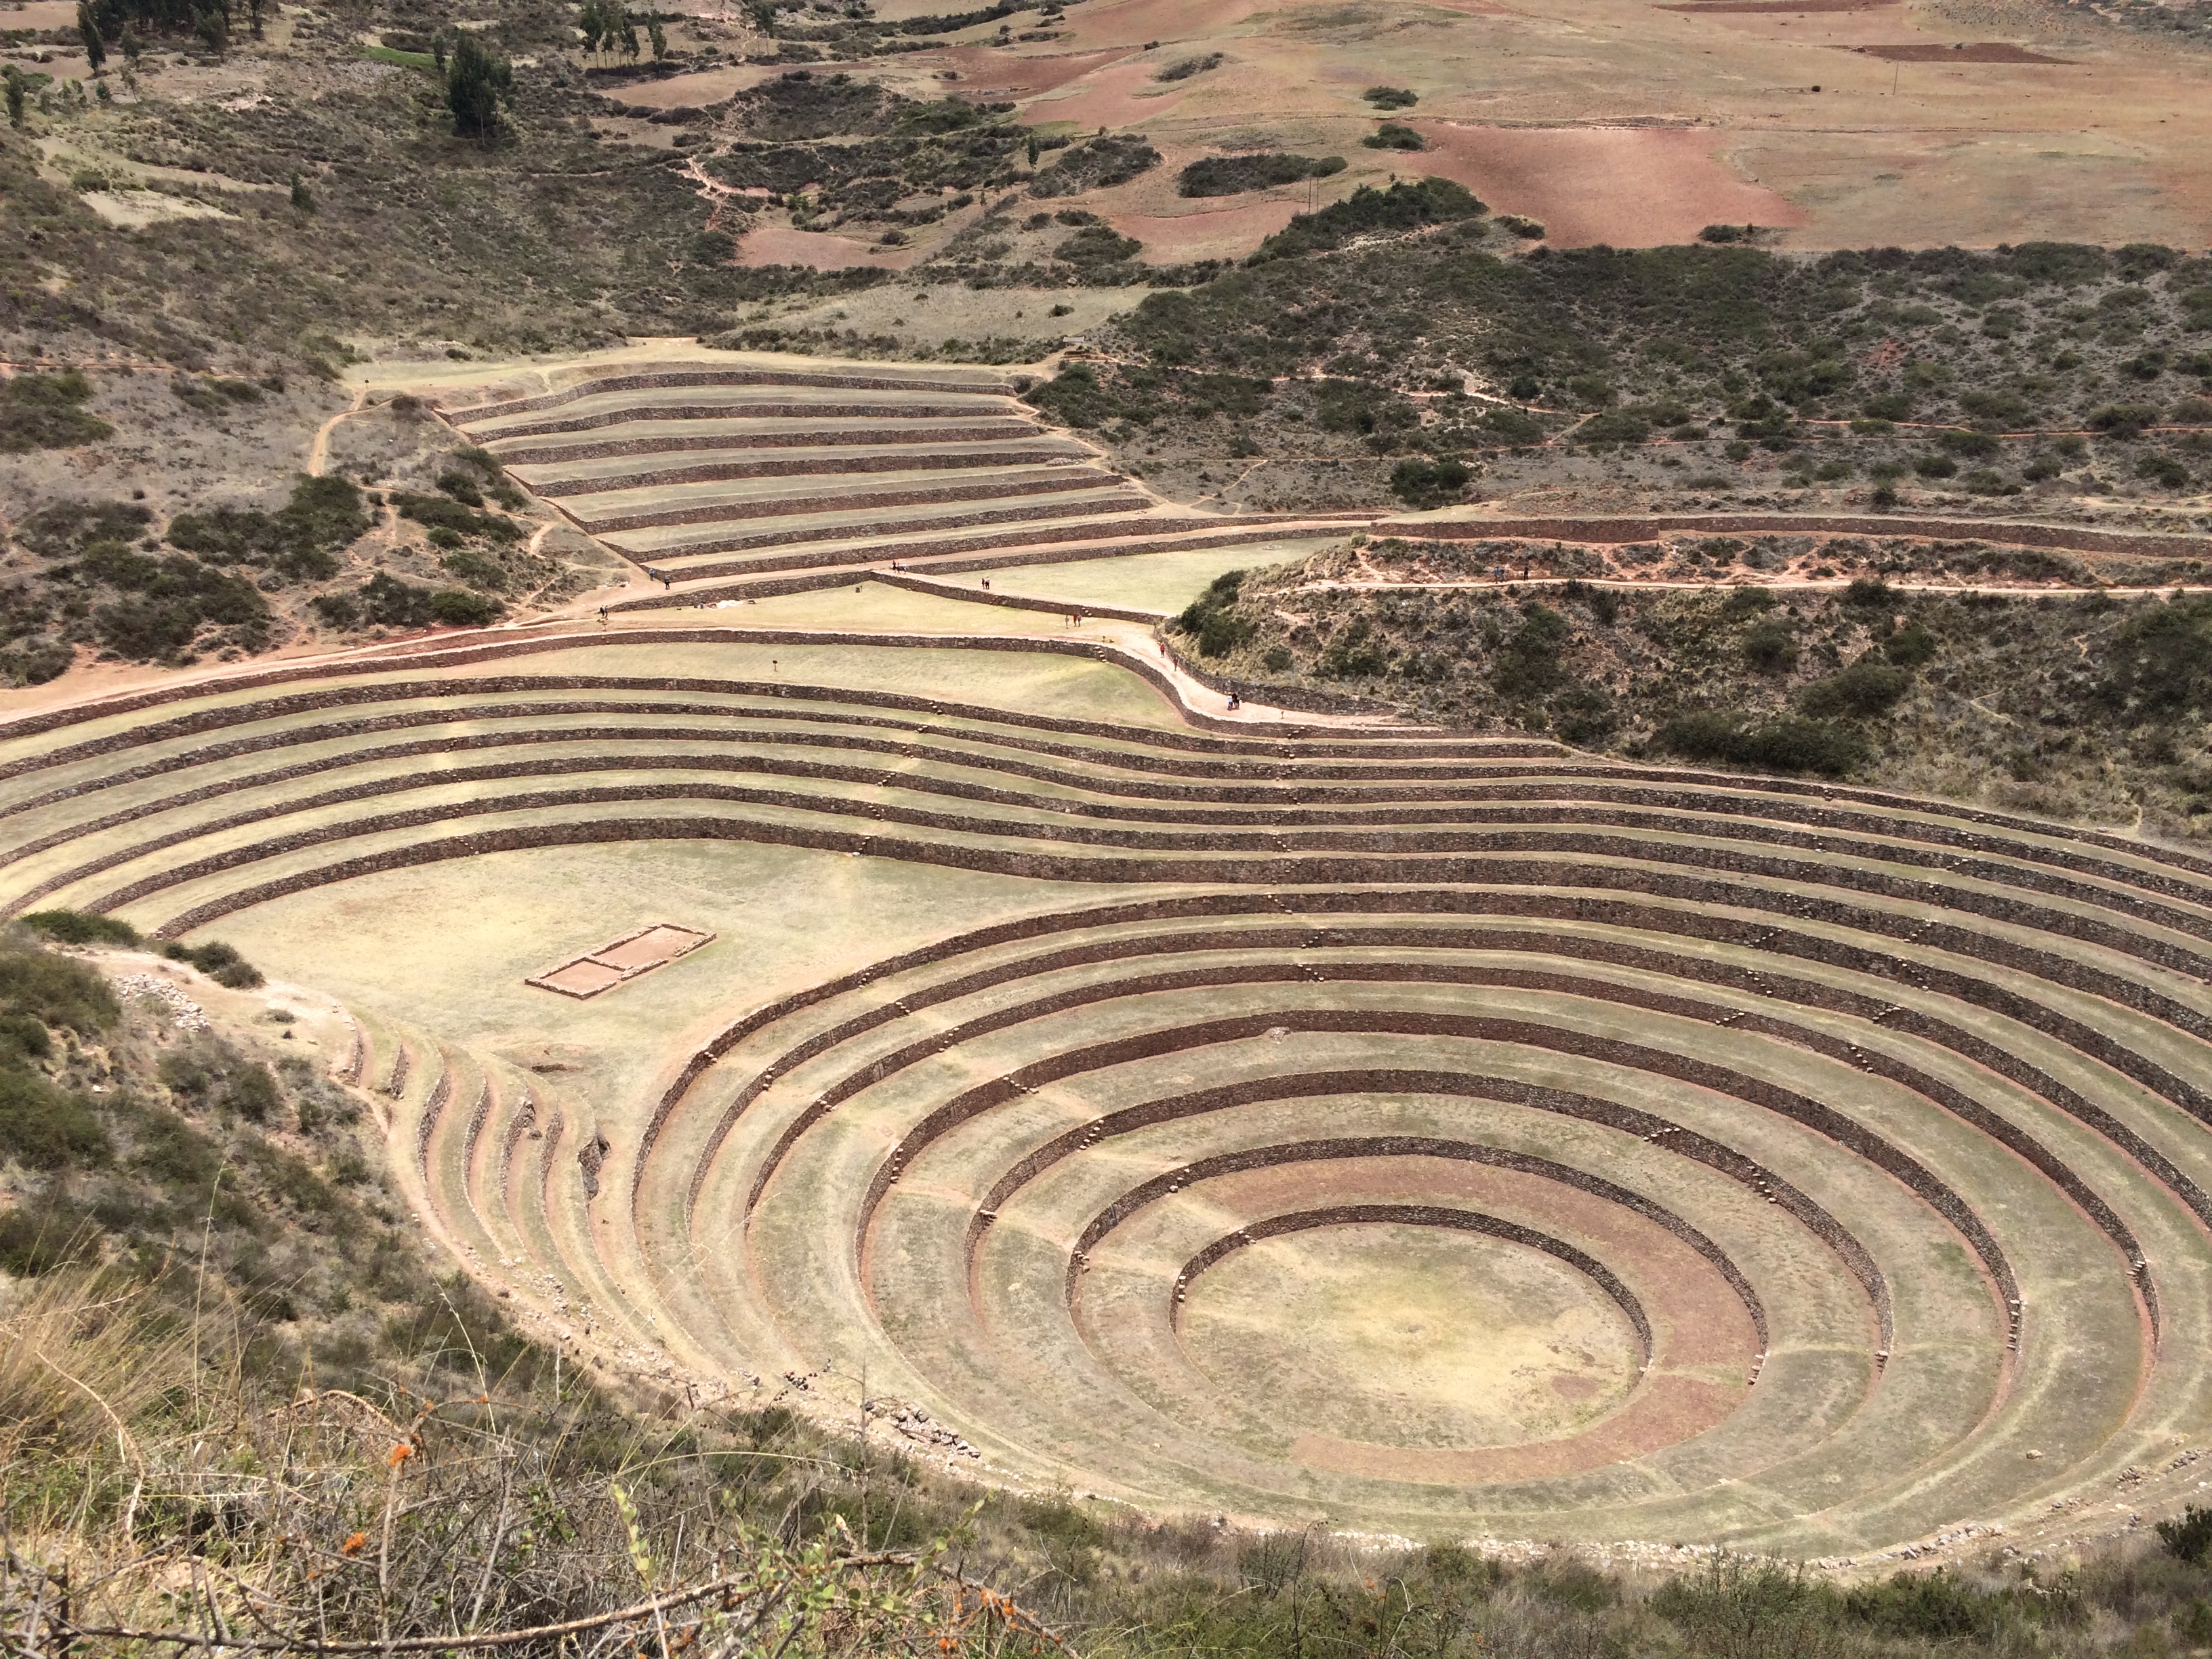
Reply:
x=1297, y=1120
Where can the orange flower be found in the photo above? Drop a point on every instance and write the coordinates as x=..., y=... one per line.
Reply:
x=400, y=1453
x=353, y=1544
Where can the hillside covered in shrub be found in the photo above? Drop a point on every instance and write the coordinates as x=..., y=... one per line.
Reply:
x=2075, y=706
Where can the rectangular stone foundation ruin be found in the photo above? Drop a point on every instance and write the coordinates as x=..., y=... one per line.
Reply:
x=624, y=959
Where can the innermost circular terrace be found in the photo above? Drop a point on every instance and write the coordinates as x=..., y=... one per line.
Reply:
x=1410, y=1333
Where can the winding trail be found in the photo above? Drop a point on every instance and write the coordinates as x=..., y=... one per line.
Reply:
x=318, y=451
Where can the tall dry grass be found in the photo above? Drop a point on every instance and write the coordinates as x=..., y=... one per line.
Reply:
x=155, y=1498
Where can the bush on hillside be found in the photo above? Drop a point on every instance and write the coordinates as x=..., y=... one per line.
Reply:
x=298, y=542
x=1866, y=688
x=1785, y=745
x=1406, y=205
x=1231, y=175
x=1393, y=135
x=44, y=411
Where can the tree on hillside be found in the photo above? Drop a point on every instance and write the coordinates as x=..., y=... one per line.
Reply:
x=15, y=92
x=88, y=29
x=476, y=84
x=658, y=35
x=592, y=24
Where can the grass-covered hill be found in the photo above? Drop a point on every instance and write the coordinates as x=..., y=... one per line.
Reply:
x=2082, y=706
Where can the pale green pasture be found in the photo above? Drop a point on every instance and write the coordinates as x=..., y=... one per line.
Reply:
x=1021, y=682
x=446, y=946
x=1147, y=581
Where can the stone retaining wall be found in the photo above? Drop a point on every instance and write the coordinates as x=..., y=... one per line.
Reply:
x=1613, y=530
x=874, y=435
x=652, y=379
x=1342, y=857
x=1631, y=914
x=1275, y=1156
x=1107, y=507
x=1065, y=481
x=774, y=466
x=1726, y=1160
x=917, y=583
x=403, y=654
x=1105, y=537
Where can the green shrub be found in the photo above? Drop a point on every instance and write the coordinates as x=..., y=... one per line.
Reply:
x=253, y=1094
x=1077, y=398
x=1095, y=246
x=167, y=601
x=1928, y=1607
x=37, y=1237
x=213, y=394
x=1211, y=620
x=23, y=1037
x=1097, y=164
x=56, y=992
x=1974, y=445
x=1869, y=592
x=1231, y=175
x=1780, y=745
x=1420, y=482
x=220, y=961
x=1404, y=206
x=434, y=512
x=475, y=568
x=1183, y=68
x=1390, y=97
x=1910, y=646
x=1615, y=426
x=1863, y=690
x=1354, y=652
x=452, y=607
x=41, y=1127
x=42, y=412
x=2163, y=470
x=298, y=542
x=81, y=928
x=1532, y=662
x=2188, y=1537
x=2160, y=662
x=67, y=528
x=1512, y=426
x=172, y=1152
x=2124, y=419
x=1392, y=136
x=1770, y=648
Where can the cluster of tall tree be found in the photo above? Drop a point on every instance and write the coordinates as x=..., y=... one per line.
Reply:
x=124, y=24
x=477, y=82
x=608, y=24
